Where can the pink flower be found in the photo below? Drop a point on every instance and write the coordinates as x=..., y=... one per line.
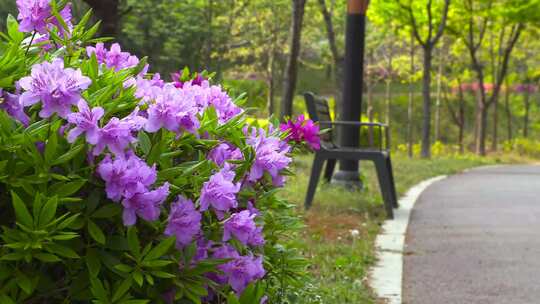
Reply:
x=303, y=130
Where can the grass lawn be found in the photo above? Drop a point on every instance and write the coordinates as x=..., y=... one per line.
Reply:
x=342, y=225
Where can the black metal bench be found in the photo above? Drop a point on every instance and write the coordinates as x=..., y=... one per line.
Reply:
x=377, y=150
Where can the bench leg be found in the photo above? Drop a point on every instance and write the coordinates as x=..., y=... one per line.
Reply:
x=329, y=171
x=316, y=169
x=392, y=182
x=384, y=183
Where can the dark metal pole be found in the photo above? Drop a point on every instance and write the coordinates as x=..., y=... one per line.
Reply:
x=352, y=88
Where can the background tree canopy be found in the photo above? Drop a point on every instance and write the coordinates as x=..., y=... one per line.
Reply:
x=477, y=68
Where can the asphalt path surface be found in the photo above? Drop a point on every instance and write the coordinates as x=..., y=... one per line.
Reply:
x=475, y=238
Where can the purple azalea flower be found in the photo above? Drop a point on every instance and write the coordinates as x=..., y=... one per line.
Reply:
x=224, y=152
x=178, y=83
x=56, y=87
x=120, y=60
x=85, y=121
x=223, y=104
x=303, y=131
x=220, y=192
x=126, y=176
x=172, y=112
x=148, y=89
x=242, y=226
x=36, y=15
x=239, y=272
x=116, y=135
x=145, y=205
x=33, y=15
x=225, y=251
x=99, y=50
x=134, y=120
x=12, y=105
x=184, y=222
x=113, y=58
x=244, y=270
x=270, y=156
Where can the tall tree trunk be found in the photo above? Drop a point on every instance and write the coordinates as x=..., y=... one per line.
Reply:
x=271, y=83
x=426, y=92
x=108, y=11
x=337, y=59
x=495, y=138
x=411, y=101
x=526, y=100
x=481, y=120
x=438, y=102
x=508, y=110
x=291, y=71
x=388, y=100
x=390, y=74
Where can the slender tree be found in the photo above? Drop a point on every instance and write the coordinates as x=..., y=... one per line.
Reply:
x=478, y=23
x=427, y=41
x=291, y=70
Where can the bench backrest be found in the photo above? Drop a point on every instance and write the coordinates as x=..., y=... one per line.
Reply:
x=319, y=110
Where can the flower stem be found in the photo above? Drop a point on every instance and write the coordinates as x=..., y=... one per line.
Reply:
x=30, y=44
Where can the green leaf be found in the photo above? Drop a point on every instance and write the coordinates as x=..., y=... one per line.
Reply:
x=21, y=212
x=48, y=212
x=67, y=222
x=163, y=274
x=160, y=250
x=133, y=242
x=61, y=250
x=47, y=257
x=122, y=289
x=50, y=148
x=107, y=211
x=68, y=189
x=6, y=300
x=37, y=205
x=93, y=263
x=24, y=282
x=96, y=233
x=145, y=142
x=123, y=268
x=156, y=263
x=12, y=257
x=13, y=29
x=137, y=276
x=232, y=299
x=69, y=155
x=98, y=290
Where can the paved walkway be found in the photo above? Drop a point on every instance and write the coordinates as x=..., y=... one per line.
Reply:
x=475, y=238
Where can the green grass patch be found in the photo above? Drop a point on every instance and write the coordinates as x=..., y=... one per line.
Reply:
x=342, y=225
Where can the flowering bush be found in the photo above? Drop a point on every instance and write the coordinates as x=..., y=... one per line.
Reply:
x=119, y=187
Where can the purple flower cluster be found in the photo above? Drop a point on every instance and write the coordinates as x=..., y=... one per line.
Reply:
x=220, y=192
x=205, y=95
x=172, y=112
x=177, y=80
x=240, y=271
x=85, y=121
x=224, y=152
x=270, y=156
x=184, y=222
x=56, y=87
x=36, y=15
x=129, y=179
x=242, y=226
x=303, y=130
x=113, y=58
x=11, y=103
